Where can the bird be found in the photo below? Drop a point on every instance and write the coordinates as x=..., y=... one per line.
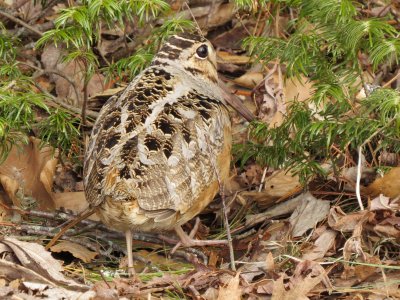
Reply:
x=159, y=150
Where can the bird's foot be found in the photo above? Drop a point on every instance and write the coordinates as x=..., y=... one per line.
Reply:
x=188, y=241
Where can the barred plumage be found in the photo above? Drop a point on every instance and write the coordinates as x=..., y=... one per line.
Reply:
x=157, y=150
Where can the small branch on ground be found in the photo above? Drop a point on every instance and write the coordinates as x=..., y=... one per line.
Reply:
x=20, y=22
x=359, y=170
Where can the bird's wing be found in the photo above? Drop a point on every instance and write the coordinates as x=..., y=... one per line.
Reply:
x=157, y=151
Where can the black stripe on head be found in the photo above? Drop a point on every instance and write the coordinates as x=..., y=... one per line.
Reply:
x=157, y=62
x=173, y=53
x=167, y=55
x=191, y=36
x=180, y=43
x=185, y=40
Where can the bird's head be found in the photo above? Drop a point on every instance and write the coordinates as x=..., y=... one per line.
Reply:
x=191, y=53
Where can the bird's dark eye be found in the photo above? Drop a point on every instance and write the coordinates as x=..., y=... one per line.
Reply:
x=202, y=51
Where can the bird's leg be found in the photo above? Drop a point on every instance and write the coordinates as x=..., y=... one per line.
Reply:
x=128, y=236
x=188, y=241
x=191, y=234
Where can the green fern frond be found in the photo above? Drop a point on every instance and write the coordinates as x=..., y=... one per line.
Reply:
x=148, y=9
x=386, y=50
x=130, y=66
x=356, y=32
x=60, y=130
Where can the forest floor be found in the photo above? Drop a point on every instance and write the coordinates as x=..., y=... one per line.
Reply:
x=326, y=239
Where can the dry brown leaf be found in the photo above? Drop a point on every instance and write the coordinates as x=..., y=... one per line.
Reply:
x=388, y=185
x=266, y=287
x=210, y=294
x=227, y=57
x=305, y=278
x=27, y=9
x=252, y=175
x=297, y=88
x=279, y=291
x=47, y=174
x=36, y=264
x=362, y=272
x=24, y=165
x=52, y=60
x=270, y=99
x=74, y=201
x=380, y=203
x=308, y=214
x=232, y=185
x=210, y=16
x=309, y=269
x=76, y=250
x=47, y=291
x=276, y=186
x=232, y=38
x=278, y=210
x=340, y=221
x=232, y=291
x=224, y=13
x=4, y=213
x=354, y=244
x=11, y=187
x=251, y=270
x=249, y=80
x=269, y=262
x=322, y=245
x=280, y=184
x=389, y=227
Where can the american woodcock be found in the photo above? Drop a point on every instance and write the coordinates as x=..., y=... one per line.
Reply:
x=159, y=150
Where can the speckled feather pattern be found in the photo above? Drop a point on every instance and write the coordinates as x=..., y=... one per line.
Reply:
x=157, y=149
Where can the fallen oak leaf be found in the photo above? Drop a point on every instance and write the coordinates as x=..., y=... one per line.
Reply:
x=11, y=187
x=76, y=250
x=306, y=277
x=36, y=260
x=389, y=227
x=310, y=211
x=24, y=164
x=232, y=291
x=385, y=203
x=340, y=221
x=321, y=246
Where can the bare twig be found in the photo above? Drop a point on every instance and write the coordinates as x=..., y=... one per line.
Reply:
x=262, y=179
x=195, y=292
x=359, y=178
x=392, y=79
x=42, y=71
x=104, y=279
x=278, y=8
x=194, y=19
x=49, y=5
x=224, y=208
x=243, y=25
x=80, y=217
x=71, y=108
x=85, y=100
x=20, y=22
x=228, y=228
